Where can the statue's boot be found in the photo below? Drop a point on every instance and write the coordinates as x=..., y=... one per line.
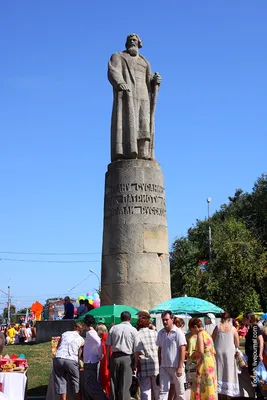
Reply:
x=117, y=157
x=133, y=155
x=144, y=149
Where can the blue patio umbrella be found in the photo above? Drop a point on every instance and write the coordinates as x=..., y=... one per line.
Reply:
x=184, y=305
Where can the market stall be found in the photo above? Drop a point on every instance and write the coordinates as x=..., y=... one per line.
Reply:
x=13, y=376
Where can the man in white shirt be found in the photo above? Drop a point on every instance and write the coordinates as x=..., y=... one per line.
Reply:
x=92, y=355
x=171, y=350
x=124, y=339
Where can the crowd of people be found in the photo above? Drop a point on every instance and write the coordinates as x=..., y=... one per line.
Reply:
x=18, y=333
x=84, y=307
x=164, y=365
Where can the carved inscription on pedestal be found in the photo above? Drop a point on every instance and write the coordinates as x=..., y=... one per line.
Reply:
x=135, y=198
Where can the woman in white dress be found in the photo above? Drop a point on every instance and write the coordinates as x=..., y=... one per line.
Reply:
x=226, y=341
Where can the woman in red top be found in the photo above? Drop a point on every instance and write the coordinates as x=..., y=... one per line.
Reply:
x=104, y=371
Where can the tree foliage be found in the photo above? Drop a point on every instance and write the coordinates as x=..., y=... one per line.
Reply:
x=236, y=278
x=12, y=312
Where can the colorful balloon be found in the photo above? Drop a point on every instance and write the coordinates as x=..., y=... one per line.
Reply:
x=96, y=296
x=96, y=304
x=75, y=311
x=89, y=294
x=90, y=301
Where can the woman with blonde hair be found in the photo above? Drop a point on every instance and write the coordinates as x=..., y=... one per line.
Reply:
x=204, y=385
x=104, y=373
x=226, y=341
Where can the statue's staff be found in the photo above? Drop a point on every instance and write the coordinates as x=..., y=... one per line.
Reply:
x=152, y=114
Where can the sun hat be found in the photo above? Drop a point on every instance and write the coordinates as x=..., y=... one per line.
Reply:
x=143, y=313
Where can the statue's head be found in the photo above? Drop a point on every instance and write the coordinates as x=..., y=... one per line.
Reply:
x=133, y=43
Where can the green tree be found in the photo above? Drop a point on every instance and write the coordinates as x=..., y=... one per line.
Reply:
x=236, y=272
x=12, y=313
x=238, y=263
x=251, y=208
x=22, y=311
x=184, y=268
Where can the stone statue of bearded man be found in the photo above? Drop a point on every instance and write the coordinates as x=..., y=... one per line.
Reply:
x=134, y=86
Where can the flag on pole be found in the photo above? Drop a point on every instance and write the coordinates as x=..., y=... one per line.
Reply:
x=203, y=266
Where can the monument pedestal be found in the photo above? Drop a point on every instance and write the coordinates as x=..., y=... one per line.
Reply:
x=135, y=260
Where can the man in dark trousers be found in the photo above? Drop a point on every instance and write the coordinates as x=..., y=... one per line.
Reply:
x=124, y=339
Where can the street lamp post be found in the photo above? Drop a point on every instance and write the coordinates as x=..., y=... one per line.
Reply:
x=96, y=276
x=209, y=201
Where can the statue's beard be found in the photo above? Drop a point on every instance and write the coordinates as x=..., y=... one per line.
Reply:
x=133, y=51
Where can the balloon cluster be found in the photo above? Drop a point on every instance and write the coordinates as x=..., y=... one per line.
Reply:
x=93, y=298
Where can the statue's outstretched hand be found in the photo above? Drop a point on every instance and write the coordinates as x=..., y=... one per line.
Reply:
x=124, y=87
x=157, y=78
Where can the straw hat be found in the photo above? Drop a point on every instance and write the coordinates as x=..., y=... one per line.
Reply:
x=143, y=313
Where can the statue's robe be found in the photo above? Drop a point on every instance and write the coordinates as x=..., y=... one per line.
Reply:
x=131, y=110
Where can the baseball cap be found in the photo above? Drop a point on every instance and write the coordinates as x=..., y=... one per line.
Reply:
x=212, y=318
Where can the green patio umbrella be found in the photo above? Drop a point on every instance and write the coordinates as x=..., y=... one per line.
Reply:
x=111, y=314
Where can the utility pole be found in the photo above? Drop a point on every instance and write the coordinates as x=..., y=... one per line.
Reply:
x=8, y=305
x=209, y=201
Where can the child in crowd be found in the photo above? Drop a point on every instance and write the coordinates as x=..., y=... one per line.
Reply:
x=242, y=331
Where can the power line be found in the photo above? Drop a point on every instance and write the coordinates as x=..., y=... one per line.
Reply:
x=48, y=254
x=50, y=261
x=80, y=283
x=25, y=297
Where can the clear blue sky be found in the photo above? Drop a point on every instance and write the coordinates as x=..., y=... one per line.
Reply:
x=55, y=107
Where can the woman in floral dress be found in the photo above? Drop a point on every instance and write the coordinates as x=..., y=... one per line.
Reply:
x=204, y=386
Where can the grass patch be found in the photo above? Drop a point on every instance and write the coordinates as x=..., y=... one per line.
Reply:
x=39, y=358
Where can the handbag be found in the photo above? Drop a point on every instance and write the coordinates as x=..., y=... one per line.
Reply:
x=239, y=359
x=261, y=373
x=190, y=372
